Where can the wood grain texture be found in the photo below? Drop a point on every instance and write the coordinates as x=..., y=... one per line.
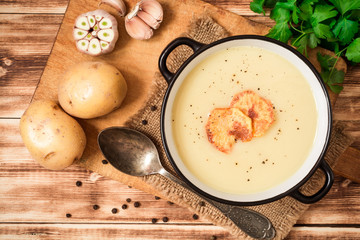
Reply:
x=349, y=164
x=33, y=6
x=26, y=42
x=322, y=233
x=26, y=187
x=157, y=231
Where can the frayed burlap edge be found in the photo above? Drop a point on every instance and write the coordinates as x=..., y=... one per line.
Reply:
x=283, y=213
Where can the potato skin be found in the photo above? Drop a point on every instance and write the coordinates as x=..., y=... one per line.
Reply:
x=91, y=89
x=53, y=138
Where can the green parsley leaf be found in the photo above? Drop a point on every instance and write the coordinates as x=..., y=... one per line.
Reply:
x=280, y=32
x=346, y=5
x=301, y=44
x=353, y=51
x=326, y=61
x=322, y=31
x=313, y=40
x=280, y=14
x=321, y=13
x=270, y=3
x=345, y=29
x=330, y=75
x=291, y=6
x=336, y=77
x=257, y=6
x=336, y=88
x=306, y=11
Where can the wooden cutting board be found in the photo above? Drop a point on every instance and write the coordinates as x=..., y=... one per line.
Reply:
x=136, y=59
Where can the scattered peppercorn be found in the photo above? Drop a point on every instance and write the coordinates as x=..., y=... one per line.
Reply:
x=128, y=200
x=213, y=237
x=68, y=215
x=136, y=204
x=157, y=198
x=124, y=206
x=144, y=122
x=202, y=203
x=114, y=210
x=154, y=220
x=171, y=203
x=153, y=108
x=195, y=217
x=129, y=186
x=104, y=161
x=165, y=219
x=96, y=207
x=78, y=183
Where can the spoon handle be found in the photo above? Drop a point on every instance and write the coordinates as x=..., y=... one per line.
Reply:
x=252, y=223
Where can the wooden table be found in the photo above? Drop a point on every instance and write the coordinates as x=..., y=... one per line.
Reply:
x=36, y=203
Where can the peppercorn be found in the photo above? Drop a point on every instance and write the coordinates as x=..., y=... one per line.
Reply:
x=96, y=207
x=104, y=161
x=114, y=210
x=165, y=219
x=78, y=183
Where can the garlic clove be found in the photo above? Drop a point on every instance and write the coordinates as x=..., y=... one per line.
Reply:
x=82, y=23
x=137, y=28
x=105, y=23
x=119, y=5
x=82, y=45
x=91, y=20
x=98, y=18
x=153, y=8
x=149, y=20
x=89, y=37
x=79, y=34
x=104, y=45
x=94, y=47
x=106, y=35
x=96, y=27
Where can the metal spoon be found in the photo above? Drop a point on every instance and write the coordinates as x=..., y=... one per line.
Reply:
x=135, y=154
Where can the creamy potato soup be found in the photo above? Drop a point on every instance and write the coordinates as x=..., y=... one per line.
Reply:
x=265, y=161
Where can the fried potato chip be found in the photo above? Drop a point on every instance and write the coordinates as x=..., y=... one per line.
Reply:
x=259, y=109
x=225, y=126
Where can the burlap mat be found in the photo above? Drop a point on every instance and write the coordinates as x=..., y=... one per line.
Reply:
x=283, y=213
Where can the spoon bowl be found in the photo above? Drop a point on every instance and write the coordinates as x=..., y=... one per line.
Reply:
x=129, y=151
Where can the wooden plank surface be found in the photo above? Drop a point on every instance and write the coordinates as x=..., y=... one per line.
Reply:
x=34, y=201
x=17, y=169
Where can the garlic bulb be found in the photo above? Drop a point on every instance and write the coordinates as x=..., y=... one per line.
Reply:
x=95, y=32
x=145, y=16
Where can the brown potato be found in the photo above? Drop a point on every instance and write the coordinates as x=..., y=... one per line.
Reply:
x=53, y=138
x=92, y=89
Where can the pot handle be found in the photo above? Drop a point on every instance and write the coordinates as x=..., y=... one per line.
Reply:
x=329, y=180
x=194, y=45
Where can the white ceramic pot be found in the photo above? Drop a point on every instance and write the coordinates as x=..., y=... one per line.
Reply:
x=315, y=158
